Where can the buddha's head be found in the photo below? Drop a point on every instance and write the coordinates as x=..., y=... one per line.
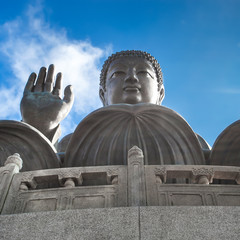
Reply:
x=131, y=77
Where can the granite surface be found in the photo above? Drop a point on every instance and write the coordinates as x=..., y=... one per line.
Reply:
x=125, y=223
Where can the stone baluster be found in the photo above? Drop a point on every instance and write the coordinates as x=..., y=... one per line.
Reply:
x=12, y=165
x=136, y=178
x=70, y=178
x=202, y=175
x=238, y=179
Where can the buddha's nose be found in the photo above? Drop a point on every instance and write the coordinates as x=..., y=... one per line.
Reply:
x=131, y=77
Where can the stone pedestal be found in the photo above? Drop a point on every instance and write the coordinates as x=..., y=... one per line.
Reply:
x=215, y=223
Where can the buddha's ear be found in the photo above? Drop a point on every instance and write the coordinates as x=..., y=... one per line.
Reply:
x=161, y=93
x=102, y=96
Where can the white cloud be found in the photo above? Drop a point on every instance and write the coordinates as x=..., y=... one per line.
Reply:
x=9, y=102
x=31, y=43
x=229, y=90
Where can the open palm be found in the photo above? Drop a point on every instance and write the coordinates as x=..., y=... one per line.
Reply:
x=41, y=105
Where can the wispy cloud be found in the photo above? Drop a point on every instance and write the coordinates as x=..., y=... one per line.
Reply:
x=9, y=102
x=229, y=90
x=29, y=43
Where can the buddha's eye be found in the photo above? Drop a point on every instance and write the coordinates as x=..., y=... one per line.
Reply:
x=144, y=74
x=117, y=74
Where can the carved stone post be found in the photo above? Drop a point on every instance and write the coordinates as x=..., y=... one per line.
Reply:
x=202, y=175
x=136, y=178
x=70, y=178
x=12, y=166
x=238, y=179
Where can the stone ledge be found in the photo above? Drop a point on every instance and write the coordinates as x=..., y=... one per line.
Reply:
x=198, y=223
x=125, y=223
x=111, y=223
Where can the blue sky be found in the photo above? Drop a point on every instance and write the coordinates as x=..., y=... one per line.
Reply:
x=197, y=44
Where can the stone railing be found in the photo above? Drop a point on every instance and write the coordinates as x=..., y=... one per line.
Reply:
x=116, y=186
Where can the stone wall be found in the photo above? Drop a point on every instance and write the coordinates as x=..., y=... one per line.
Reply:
x=119, y=202
x=208, y=222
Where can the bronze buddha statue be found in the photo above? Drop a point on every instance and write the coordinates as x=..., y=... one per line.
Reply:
x=131, y=90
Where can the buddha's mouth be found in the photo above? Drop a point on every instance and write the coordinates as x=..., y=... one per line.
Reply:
x=132, y=88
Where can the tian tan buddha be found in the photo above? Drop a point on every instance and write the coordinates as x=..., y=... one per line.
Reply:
x=131, y=90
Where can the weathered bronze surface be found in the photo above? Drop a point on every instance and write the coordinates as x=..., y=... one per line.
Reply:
x=41, y=105
x=105, y=136
x=132, y=80
x=35, y=149
x=226, y=150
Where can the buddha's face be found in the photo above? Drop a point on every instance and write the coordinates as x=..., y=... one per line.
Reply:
x=132, y=80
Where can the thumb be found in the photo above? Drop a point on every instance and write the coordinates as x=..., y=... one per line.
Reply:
x=68, y=94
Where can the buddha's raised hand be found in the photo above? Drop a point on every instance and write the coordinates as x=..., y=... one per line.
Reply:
x=41, y=105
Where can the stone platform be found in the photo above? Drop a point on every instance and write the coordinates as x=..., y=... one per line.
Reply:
x=204, y=222
x=136, y=201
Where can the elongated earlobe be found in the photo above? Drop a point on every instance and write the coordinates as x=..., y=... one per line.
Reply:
x=161, y=93
x=102, y=96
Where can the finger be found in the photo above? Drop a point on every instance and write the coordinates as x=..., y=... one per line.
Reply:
x=68, y=95
x=58, y=85
x=49, y=80
x=30, y=83
x=40, y=80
